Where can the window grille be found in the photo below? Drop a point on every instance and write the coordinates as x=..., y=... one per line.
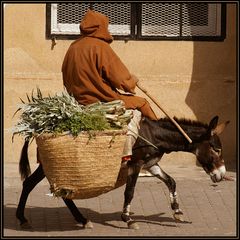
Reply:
x=160, y=19
x=153, y=21
x=65, y=17
x=181, y=20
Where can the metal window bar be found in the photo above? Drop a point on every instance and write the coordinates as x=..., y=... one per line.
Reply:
x=180, y=20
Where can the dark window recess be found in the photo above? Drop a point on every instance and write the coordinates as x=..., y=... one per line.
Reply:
x=143, y=21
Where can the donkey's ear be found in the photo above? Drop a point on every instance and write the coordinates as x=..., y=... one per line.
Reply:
x=219, y=129
x=213, y=123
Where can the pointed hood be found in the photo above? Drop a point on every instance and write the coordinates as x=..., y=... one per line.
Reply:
x=95, y=24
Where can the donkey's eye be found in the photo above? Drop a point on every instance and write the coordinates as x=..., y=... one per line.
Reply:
x=217, y=150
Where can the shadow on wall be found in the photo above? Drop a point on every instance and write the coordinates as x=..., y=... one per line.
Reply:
x=213, y=85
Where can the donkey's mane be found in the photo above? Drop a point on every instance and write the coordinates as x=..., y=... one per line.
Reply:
x=184, y=122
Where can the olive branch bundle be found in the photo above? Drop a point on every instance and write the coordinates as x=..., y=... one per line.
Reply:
x=61, y=113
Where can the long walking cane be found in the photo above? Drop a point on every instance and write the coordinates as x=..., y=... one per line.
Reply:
x=174, y=122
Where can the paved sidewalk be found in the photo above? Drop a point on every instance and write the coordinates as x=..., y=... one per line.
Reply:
x=209, y=209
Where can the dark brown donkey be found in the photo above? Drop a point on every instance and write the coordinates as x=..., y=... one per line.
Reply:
x=155, y=139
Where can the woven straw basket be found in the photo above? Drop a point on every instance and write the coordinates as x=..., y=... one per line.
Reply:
x=83, y=166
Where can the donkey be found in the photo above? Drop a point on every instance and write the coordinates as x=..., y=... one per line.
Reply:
x=155, y=139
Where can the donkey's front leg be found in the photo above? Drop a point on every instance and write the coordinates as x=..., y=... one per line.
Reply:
x=171, y=184
x=133, y=172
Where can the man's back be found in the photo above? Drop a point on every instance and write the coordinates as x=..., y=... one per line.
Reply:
x=83, y=70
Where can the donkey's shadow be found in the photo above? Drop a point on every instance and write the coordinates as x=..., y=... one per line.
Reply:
x=60, y=219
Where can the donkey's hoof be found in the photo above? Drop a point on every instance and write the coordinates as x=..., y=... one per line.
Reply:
x=178, y=216
x=25, y=225
x=133, y=225
x=88, y=225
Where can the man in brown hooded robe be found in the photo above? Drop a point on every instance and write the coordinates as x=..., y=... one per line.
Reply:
x=93, y=72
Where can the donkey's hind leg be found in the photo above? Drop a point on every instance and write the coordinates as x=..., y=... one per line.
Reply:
x=28, y=184
x=133, y=172
x=76, y=213
x=171, y=184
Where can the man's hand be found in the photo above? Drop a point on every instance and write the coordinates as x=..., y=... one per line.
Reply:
x=134, y=77
x=136, y=80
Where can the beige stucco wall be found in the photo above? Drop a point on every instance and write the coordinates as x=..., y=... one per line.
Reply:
x=190, y=79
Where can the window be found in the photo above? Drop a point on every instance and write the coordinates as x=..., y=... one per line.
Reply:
x=143, y=21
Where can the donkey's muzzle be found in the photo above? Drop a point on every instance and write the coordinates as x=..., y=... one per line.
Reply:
x=218, y=174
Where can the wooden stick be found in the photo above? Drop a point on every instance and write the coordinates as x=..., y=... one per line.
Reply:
x=174, y=122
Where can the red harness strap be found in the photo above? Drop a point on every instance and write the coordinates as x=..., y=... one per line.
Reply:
x=126, y=158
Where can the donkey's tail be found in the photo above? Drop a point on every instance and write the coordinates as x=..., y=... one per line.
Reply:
x=24, y=167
